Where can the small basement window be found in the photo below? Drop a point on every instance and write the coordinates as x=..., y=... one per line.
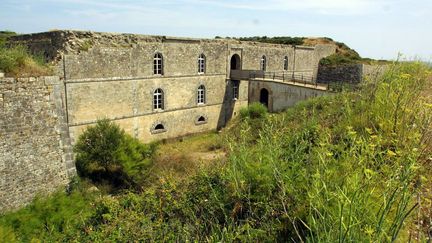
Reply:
x=201, y=120
x=158, y=128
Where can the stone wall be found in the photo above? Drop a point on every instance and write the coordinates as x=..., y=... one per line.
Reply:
x=374, y=71
x=351, y=73
x=35, y=152
x=282, y=95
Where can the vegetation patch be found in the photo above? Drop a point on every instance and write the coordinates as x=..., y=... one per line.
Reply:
x=349, y=167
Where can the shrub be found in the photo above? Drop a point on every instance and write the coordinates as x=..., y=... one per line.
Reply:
x=106, y=153
x=4, y=34
x=254, y=111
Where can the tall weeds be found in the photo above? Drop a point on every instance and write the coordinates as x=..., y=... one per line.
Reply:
x=343, y=168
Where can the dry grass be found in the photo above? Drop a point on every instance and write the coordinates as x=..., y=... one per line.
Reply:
x=317, y=41
x=30, y=68
x=183, y=157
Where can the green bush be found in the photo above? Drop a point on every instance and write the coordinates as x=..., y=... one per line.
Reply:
x=11, y=58
x=254, y=111
x=106, y=153
x=339, y=59
x=4, y=35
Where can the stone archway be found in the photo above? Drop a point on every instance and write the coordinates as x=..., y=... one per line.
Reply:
x=264, y=97
x=235, y=62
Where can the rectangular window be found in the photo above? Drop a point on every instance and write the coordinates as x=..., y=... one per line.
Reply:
x=201, y=64
x=201, y=95
x=158, y=100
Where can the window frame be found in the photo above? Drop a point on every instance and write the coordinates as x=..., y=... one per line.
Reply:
x=158, y=65
x=155, y=130
x=263, y=63
x=201, y=63
x=198, y=122
x=201, y=95
x=158, y=99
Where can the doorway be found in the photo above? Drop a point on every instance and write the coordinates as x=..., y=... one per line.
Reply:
x=235, y=62
x=264, y=97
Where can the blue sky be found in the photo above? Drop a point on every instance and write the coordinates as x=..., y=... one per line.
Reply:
x=375, y=28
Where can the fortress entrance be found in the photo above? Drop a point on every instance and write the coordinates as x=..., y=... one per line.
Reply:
x=264, y=97
x=235, y=62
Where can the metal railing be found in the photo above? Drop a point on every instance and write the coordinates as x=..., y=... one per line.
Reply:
x=297, y=78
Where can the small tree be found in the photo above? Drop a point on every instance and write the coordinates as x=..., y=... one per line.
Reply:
x=99, y=145
x=106, y=152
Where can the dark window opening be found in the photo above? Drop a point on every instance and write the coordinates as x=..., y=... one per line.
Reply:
x=235, y=87
x=200, y=120
x=264, y=97
x=159, y=127
x=263, y=63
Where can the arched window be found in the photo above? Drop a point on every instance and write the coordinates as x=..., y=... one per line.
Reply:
x=158, y=99
x=201, y=99
x=158, y=64
x=201, y=63
x=202, y=119
x=286, y=63
x=158, y=127
x=263, y=63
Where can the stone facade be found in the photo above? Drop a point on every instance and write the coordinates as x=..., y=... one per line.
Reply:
x=111, y=76
x=36, y=156
x=104, y=75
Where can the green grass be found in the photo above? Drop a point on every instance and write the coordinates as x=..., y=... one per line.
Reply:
x=339, y=168
x=54, y=218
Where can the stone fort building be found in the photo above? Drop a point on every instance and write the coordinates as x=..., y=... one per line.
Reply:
x=155, y=87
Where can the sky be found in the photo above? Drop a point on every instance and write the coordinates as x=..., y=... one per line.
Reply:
x=379, y=29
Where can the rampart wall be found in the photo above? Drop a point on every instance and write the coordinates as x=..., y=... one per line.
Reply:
x=350, y=73
x=35, y=152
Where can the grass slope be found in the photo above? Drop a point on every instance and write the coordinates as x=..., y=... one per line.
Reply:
x=349, y=167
